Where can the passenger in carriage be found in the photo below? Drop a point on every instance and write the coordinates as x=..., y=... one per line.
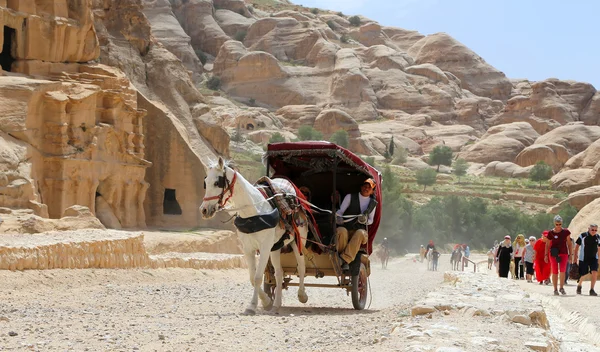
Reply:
x=352, y=234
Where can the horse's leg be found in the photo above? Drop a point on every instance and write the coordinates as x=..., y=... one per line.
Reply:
x=263, y=259
x=276, y=261
x=251, y=261
x=302, y=296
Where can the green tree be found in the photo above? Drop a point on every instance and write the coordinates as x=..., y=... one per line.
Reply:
x=240, y=36
x=440, y=155
x=331, y=25
x=340, y=138
x=370, y=160
x=308, y=133
x=426, y=177
x=276, y=138
x=540, y=172
x=391, y=147
x=460, y=168
x=354, y=21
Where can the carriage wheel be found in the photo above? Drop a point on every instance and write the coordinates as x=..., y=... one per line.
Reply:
x=359, y=288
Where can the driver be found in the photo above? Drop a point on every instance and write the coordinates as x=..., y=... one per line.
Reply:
x=352, y=234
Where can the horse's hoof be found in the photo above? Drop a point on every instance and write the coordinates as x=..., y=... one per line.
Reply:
x=303, y=298
x=268, y=306
x=249, y=311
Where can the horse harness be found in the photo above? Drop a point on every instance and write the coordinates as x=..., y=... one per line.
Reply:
x=226, y=186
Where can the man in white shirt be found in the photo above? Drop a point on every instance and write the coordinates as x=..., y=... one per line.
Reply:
x=352, y=234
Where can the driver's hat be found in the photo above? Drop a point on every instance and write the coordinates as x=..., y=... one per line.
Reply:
x=371, y=182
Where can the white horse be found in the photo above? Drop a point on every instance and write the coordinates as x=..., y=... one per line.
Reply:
x=224, y=186
x=429, y=257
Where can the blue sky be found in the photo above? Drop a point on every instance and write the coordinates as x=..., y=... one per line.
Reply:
x=533, y=39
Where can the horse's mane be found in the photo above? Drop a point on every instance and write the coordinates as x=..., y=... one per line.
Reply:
x=226, y=163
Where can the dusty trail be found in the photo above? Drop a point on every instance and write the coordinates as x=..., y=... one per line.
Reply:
x=194, y=310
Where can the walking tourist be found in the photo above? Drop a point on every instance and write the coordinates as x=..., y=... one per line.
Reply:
x=542, y=269
x=504, y=256
x=587, y=250
x=519, y=248
x=528, y=258
x=491, y=255
x=559, y=251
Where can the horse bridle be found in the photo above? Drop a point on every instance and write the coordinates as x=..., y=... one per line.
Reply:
x=226, y=186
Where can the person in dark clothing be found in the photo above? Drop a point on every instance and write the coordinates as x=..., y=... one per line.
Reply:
x=352, y=234
x=587, y=250
x=504, y=256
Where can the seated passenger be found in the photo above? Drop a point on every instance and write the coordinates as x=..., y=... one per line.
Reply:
x=352, y=234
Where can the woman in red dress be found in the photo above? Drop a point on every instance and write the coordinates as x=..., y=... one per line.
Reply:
x=542, y=269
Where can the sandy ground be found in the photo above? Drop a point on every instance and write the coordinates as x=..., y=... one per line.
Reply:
x=195, y=310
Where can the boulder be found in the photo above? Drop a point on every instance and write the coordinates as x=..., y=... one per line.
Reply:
x=500, y=143
x=477, y=111
x=212, y=131
x=232, y=22
x=283, y=37
x=402, y=38
x=370, y=34
x=332, y=120
x=547, y=104
x=416, y=120
x=421, y=310
x=168, y=31
x=384, y=58
x=587, y=158
x=552, y=154
x=578, y=199
x=294, y=116
x=430, y=71
x=589, y=214
x=506, y=169
x=77, y=211
x=263, y=136
x=574, y=180
x=475, y=74
x=236, y=6
x=574, y=137
x=196, y=18
x=591, y=114
x=415, y=164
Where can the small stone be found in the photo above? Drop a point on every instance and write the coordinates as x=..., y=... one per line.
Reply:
x=161, y=336
x=12, y=333
x=522, y=319
x=537, y=346
x=421, y=310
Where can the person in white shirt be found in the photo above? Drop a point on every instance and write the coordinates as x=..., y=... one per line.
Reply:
x=351, y=235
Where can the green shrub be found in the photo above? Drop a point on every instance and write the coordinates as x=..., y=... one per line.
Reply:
x=308, y=133
x=370, y=160
x=314, y=10
x=354, y=21
x=440, y=155
x=331, y=24
x=540, y=172
x=213, y=83
x=276, y=138
x=240, y=36
x=426, y=177
x=345, y=38
x=460, y=168
x=340, y=138
x=252, y=102
x=340, y=14
x=250, y=8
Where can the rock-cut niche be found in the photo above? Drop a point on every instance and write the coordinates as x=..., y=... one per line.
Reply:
x=170, y=204
x=6, y=58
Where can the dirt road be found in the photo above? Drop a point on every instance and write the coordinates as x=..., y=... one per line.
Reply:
x=194, y=310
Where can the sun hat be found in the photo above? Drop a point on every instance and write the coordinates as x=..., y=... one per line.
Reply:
x=371, y=182
x=532, y=238
x=507, y=237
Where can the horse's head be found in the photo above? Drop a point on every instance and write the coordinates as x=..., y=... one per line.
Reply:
x=218, y=185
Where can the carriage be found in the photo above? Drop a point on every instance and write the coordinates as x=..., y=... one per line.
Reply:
x=329, y=172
